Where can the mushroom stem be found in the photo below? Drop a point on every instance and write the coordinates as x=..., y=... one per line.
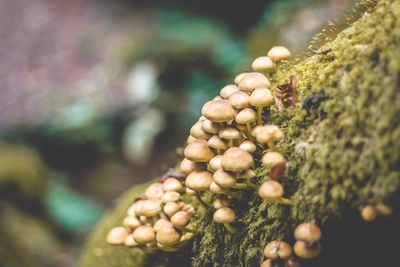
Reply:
x=259, y=115
x=271, y=146
x=240, y=186
x=230, y=143
x=201, y=201
x=189, y=230
x=283, y=201
x=230, y=228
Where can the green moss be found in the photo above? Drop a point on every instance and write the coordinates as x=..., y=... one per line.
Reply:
x=343, y=151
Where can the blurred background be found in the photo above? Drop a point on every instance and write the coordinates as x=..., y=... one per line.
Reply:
x=97, y=95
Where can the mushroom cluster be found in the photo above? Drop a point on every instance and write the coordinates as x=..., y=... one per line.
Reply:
x=160, y=218
x=221, y=144
x=371, y=212
x=307, y=245
x=278, y=251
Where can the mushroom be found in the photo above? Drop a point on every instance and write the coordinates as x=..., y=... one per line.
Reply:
x=190, y=139
x=215, y=162
x=239, y=77
x=248, y=146
x=278, y=170
x=155, y=190
x=131, y=222
x=190, y=192
x=144, y=234
x=130, y=241
x=246, y=116
x=221, y=202
x=198, y=151
x=230, y=134
x=161, y=223
x=180, y=219
x=210, y=127
x=263, y=64
x=272, y=158
x=217, y=143
x=199, y=181
x=197, y=131
x=308, y=232
x=236, y=160
x=167, y=235
x=306, y=250
x=269, y=263
x=228, y=90
x=219, y=111
x=226, y=216
x=384, y=209
x=267, y=134
x=171, y=196
x=369, y=213
x=273, y=190
x=188, y=166
x=170, y=208
x=216, y=189
x=239, y=100
x=278, y=53
x=151, y=207
x=292, y=263
x=260, y=98
x=117, y=235
x=173, y=184
x=224, y=178
x=253, y=80
x=278, y=250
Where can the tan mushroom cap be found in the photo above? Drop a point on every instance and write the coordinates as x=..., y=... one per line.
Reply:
x=228, y=90
x=199, y=181
x=173, y=184
x=210, y=127
x=229, y=133
x=236, y=159
x=306, y=251
x=267, y=133
x=278, y=53
x=197, y=131
x=180, y=219
x=308, y=232
x=271, y=190
x=130, y=241
x=239, y=77
x=117, y=235
x=369, y=213
x=248, y=146
x=190, y=139
x=170, y=208
x=269, y=263
x=246, y=116
x=263, y=64
x=137, y=207
x=224, y=179
x=224, y=215
x=198, y=151
x=190, y=192
x=215, y=162
x=384, y=209
x=167, y=236
x=220, y=111
x=292, y=263
x=278, y=249
x=271, y=158
x=144, y=234
x=170, y=196
x=155, y=190
x=151, y=207
x=217, y=143
x=239, y=100
x=205, y=106
x=160, y=223
x=253, y=80
x=261, y=97
x=131, y=222
x=216, y=189
x=188, y=166
x=221, y=202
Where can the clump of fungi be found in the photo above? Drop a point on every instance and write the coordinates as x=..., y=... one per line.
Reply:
x=278, y=251
x=307, y=245
x=160, y=218
x=371, y=212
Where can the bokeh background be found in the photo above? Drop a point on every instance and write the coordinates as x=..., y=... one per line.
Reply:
x=97, y=96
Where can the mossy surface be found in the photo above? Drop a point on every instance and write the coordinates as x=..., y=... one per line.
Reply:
x=341, y=140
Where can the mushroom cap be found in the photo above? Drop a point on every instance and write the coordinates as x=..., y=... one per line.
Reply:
x=215, y=162
x=267, y=133
x=229, y=133
x=167, y=235
x=197, y=131
x=253, y=80
x=228, y=90
x=278, y=53
x=210, y=127
x=278, y=170
x=270, y=190
x=170, y=208
x=248, y=146
x=173, y=184
x=221, y=202
x=160, y=223
x=188, y=166
x=245, y=116
x=239, y=100
x=216, y=189
x=308, y=232
x=180, y=219
x=205, y=106
x=117, y=235
x=137, y=207
x=144, y=234
x=190, y=192
x=198, y=151
x=131, y=222
x=190, y=139
x=305, y=250
x=384, y=209
x=292, y=263
x=247, y=174
x=236, y=159
x=224, y=215
x=261, y=97
x=369, y=213
x=155, y=190
x=278, y=249
x=151, y=207
x=239, y=77
x=271, y=158
x=263, y=64
x=170, y=196
x=130, y=241
x=268, y=263
x=224, y=179
x=199, y=181
x=216, y=142
x=219, y=111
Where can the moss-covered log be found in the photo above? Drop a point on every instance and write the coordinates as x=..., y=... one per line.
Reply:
x=342, y=142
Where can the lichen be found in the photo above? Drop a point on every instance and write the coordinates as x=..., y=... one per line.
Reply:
x=343, y=152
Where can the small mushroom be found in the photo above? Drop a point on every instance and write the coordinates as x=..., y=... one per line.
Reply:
x=190, y=192
x=198, y=151
x=239, y=100
x=292, y=263
x=221, y=202
x=199, y=181
x=168, y=236
x=190, y=139
x=130, y=241
x=173, y=184
x=180, y=219
x=131, y=222
x=197, y=131
x=226, y=216
x=155, y=190
x=246, y=116
x=216, y=189
x=117, y=235
x=151, y=207
x=215, y=162
x=269, y=263
x=170, y=196
x=248, y=146
x=144, y=234
x=267, y=134
x=278, y=170
x=217, y=143
x=224, y=178
x=261, y=98
x=369, y=213
x=230, y=134
x=236, y=160
x=272, y=158
x=220, y=111
x=210, y=127
x=253, y=80
x=278, y=250
x=228, y=90
x=306, y=250
x=239, y=77
x=188, y=166
x=278, y=53
x=263, y=64
x=308, y=232
x=170, y=208
x=273, y=190
x=384, y=209
x=160, y=223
